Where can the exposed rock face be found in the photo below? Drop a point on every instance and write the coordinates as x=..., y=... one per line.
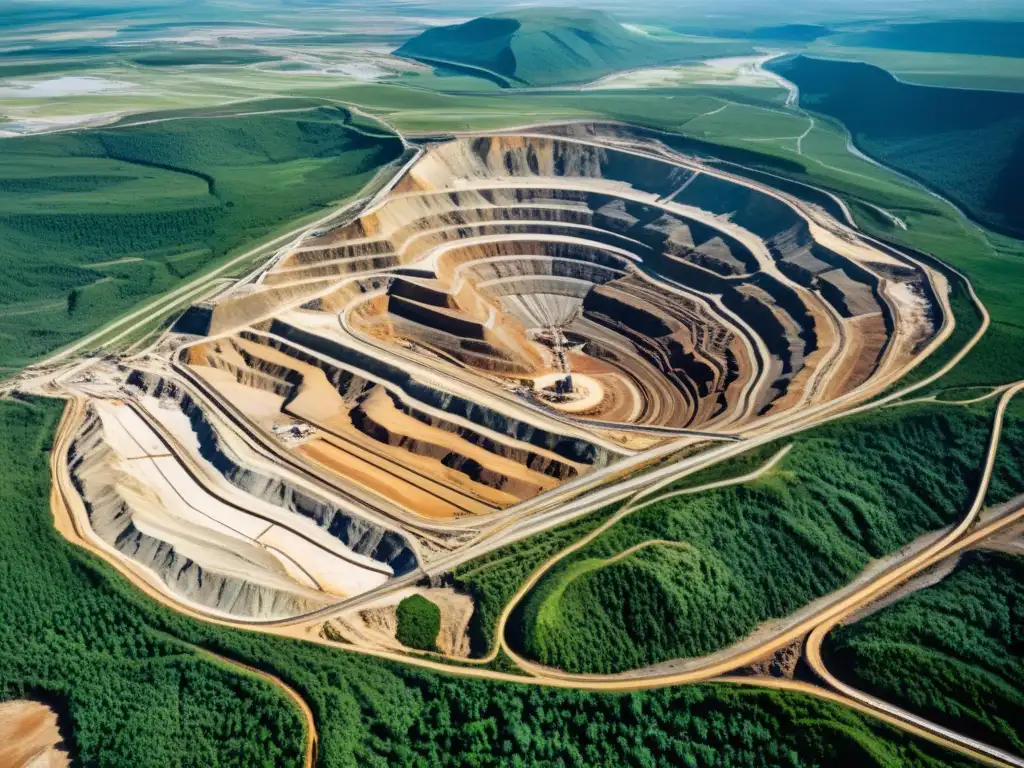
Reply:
x=199, y=567
x=359, y=535
x=674, y=296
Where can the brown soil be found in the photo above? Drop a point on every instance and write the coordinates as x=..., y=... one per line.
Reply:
x=866, y=341
x=29, y=736
x=411, y=495
x=782, y=663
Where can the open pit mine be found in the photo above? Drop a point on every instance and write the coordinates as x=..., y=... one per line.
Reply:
x=516, y=324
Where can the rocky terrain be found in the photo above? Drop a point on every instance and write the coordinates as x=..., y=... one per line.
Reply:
x=515, y=317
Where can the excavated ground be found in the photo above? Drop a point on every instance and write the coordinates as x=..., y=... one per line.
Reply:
x=30, y=737
x=516, y=313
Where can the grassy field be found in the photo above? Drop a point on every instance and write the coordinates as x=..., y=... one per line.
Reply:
x=186, y=58
x=972, y=37
x=97, y=221
x=80, y=637
x=727, y=560
x=950, y=652
x=950, y=70
x=753, y=129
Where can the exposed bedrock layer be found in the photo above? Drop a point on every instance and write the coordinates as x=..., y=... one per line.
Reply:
x=359, y=535
x=572, y=449
x=676, y=294
x=368, y=408
x=355, y=391
x=495, y=157
x=202, y=568
x=685, y=346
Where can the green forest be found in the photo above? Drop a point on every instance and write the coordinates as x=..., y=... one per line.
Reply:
x=847, y=493
x=1008, y=473
x=134, y=690
x=419, y=622
x=96, y=221
x=493, y=579
x=950, y=652
x=968, y=145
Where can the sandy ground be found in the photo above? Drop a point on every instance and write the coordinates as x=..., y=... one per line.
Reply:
x=588, y=392
x=24, y=126
x=732, y=70
x=29, y=737
x=375, y=625
x=176, y=503
x=412, y=495
x=390, y=470
x=63, y=86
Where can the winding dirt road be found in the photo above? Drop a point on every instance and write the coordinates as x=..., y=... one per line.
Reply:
x=70, y=526
x=311, y=739
x=630, y=681
x=952, y=543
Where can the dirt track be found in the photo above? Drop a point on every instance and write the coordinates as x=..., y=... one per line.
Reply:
x=547, y=677
x=65, y=521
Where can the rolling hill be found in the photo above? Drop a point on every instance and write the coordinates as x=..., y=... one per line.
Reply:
x=96, y=221
x=968, y=145
x=542, y=47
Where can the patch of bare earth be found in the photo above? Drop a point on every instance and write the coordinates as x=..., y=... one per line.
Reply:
x=376, y=625
x=29, y=736
x=782, y=663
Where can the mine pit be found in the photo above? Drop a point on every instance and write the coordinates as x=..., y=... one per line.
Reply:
x=557, y=283
x=515, y=317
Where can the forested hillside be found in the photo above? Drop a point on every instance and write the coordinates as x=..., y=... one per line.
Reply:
x=952, y=652
x=967, y=145
x=720, y=563
x=95, y=221
x=135, y=692
x=554, y=46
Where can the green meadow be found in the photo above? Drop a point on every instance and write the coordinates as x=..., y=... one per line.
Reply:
x=95, y=222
